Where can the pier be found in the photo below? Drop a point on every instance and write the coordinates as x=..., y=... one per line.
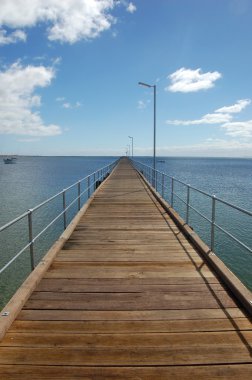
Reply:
x=125, y=294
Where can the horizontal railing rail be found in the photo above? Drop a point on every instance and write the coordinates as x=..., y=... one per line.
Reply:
x=91, y=181
x=157, y=179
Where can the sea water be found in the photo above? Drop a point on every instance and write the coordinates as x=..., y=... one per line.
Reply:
x=228, y=179
x=33, y=179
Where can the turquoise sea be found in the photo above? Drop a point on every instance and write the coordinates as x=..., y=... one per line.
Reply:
x=33, y=179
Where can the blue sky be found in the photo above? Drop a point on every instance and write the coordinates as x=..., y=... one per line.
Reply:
x=69, y=73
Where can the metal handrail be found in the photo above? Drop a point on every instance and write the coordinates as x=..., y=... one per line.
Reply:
x=152, y=174
x=200, y=214
x=9, y=224
x=91, y=180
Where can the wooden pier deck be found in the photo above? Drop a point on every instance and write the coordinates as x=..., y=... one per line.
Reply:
x=128, y=297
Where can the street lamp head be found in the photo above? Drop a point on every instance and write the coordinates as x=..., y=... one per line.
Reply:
x=144, y=84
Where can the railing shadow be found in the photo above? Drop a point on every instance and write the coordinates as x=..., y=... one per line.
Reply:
x=198, y=268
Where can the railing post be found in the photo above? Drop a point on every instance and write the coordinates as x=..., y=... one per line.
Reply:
x=64, y=207
x=79, y=191
x=172, y=190
x=213, y=222
x=187, y=204
x=31, y=239
x=94, y=181
x=88, y=184
x=162, y=185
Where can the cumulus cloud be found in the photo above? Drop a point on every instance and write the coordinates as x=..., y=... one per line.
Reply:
x=18, y=100
x=11, y=38
x=235, y=108
x=66, y=20
x=221, y=115
x=131, y=8
x=187, y=80
x=210, y=118
x=224, y=116
x=238, y=129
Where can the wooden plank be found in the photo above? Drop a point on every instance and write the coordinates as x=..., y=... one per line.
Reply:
x=125, y=327
x=127, y=301
x=148, y=356
x=130, y=341
x=213, y=372
x=141, y=304
x=129, y=315
x=136, y=270
x=78, y=285
x=109, y=257
x=188, y=281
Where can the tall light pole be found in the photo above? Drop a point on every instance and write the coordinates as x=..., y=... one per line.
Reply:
x=128, y=149
x=131, y=145
x=154, y=137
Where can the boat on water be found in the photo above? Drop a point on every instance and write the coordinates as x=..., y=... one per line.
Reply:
x=10, y=160
x=162, y=161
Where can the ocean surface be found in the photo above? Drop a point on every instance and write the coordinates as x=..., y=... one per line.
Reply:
x=33, y=179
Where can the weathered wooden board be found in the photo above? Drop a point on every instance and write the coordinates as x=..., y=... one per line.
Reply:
x=212, y=372
x=125, y=327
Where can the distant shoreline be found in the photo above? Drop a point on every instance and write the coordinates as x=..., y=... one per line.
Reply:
x=157, y=157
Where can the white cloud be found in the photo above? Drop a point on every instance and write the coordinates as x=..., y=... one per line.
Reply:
x=67, y=105
x=221, y=115
x=56, y=61
x=241, y=129
x=66, y=20
x=28, y=140
x=141, y=104
x=210, y=118
x=17, y=100
x=224, y=116
x=16, y=36
x=235, y=108
x=131, y=8
x=187, y=80
x=209, y=148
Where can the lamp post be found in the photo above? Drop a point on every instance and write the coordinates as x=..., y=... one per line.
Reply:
x=131, y=145
x=154, y=129
x=128, y=149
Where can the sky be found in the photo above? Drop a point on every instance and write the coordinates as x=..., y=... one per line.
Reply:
x=69, y=73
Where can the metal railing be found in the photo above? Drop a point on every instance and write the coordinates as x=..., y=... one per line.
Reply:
x=160, y=180
x=91, y=181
